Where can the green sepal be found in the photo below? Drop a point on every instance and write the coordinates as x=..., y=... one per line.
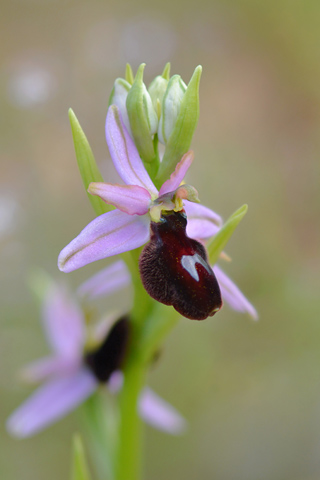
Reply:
x=79, y=469
x=219, y=241
x=142, y=116
x=129, y=74
x=180, y=139
x=89, y=170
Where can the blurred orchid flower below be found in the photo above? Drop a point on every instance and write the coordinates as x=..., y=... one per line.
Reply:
x=73, y=373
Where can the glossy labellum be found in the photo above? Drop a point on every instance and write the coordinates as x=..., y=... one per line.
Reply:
x=174, y=269
x=109, y=356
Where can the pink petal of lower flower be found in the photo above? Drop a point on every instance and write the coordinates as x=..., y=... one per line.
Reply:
x=124, y=153
x=109, y=234
x=178, y=175
x=64, y=322
x=232, y=295
x=51, y=402
x=160, y=414
x=47, y=367
x=130, y=199
x=202, y=222
x=109, y=280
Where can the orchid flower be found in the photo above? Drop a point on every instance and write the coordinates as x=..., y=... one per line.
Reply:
x=76, y=369
x=137, y=203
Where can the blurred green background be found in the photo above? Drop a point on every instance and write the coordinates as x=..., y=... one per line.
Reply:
x=251, y=391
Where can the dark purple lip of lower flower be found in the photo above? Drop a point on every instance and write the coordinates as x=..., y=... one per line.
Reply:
x=111, y=353
x=175, y=270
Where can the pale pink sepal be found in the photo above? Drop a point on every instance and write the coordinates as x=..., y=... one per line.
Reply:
x=178, y=175
x=63, y=322
x=130, y=199
x=109, y=280
x=160, y=414
x=124, y=153
x=202, y=222
x=43, y=368
x=50, y=402
x=109, y=234
x=232, y=295
x=152, y=409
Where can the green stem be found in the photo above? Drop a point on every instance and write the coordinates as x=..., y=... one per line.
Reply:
x=128, y=461
x=142, y=302
x=129, y=455
x=163, y=320
x=150, y=323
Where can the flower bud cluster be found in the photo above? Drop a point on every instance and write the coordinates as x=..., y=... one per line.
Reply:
x=167, y=112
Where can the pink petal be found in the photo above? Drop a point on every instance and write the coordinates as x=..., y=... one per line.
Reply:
x=51, y=402
x=232, y=295
x=109, y=234
x=109, y=280
x=49, y=366
x=178, y=175
x=202, y=222
x=63, y=322
x=130, y=199
x=124, y=153
x=160, y=414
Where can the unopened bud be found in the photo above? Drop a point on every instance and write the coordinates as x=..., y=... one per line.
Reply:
x=158, y=87
x=118, y=97
x=171, y=105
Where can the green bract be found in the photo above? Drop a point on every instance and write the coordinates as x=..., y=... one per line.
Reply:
x=86, y=162
x=142, y=116
x=219, y=241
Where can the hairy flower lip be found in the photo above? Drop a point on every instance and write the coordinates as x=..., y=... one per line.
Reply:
x=174, y=269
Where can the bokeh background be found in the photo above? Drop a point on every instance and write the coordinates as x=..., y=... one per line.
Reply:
x=251, y=391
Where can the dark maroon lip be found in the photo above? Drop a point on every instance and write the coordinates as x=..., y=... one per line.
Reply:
x=110, y=354
x=175, y=271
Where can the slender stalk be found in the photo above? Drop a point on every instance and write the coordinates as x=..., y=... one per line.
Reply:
x=163, y=320
x=128, y=461
x=142, y=302
x=129, y=454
